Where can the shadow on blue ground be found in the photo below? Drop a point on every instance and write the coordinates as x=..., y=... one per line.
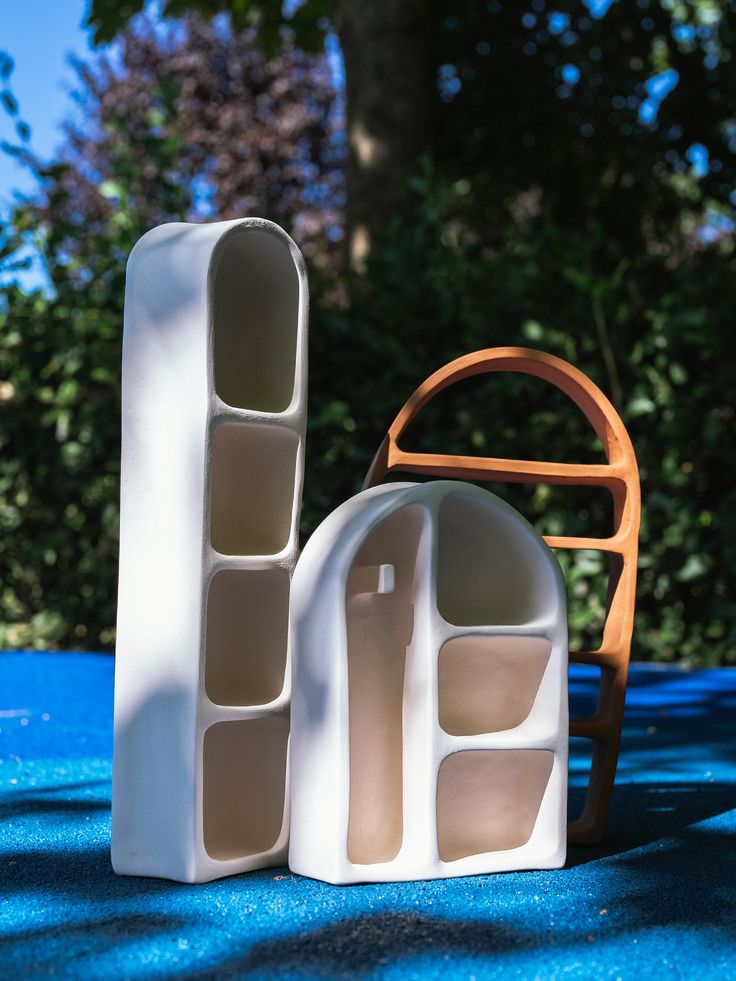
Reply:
x=657, y=897
x=352, y=948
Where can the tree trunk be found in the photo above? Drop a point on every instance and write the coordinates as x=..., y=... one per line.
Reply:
x=391, y=93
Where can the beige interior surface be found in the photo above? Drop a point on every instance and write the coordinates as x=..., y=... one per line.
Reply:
x=487, y=571
x=244, y=781
x=488, y=799
x=380, y=628
x=487, y=684
x=255, y=315
x=252, y=488
x=247, y=635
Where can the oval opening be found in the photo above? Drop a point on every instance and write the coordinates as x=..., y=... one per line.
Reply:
x=255, y=320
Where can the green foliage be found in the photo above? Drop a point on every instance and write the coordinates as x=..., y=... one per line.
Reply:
x=306, y=21
x=601, y=245
x=573, y=117
x=60, y=432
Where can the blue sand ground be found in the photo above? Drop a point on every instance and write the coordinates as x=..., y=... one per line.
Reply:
x=657, y=901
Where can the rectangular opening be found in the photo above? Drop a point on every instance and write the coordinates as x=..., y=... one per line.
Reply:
x=488, y=684
x=247, y=636
x=380, y=627
x=252, y=488
x=583, y=686
x=244, y=786
x=488, y=800
x=580, y=761
x=255, y=318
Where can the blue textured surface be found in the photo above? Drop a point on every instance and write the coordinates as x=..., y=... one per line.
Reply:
x=658, y=901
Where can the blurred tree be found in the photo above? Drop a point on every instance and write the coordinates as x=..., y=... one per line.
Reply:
x=580, y=200
x=607, y=107
x=390, y=60
x=499, y=68
x=189, y=123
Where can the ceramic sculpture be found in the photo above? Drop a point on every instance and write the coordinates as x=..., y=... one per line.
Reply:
x=214, y=405
x=429, y=716
x=619, y=474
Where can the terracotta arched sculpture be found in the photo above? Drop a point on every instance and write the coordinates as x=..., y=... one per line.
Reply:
x=619, y=474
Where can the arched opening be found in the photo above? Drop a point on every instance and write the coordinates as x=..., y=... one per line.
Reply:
x=255, y=317
x=487, y=572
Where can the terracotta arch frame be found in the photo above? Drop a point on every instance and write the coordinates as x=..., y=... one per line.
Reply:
x=619, y=474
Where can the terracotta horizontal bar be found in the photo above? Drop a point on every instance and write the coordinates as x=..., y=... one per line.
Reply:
x=615, y=544
x=513, y=471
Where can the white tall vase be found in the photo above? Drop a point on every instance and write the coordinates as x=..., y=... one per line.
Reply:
x=214, y=415
x=429, y=717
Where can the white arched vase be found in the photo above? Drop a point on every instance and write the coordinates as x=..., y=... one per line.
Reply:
x=429, y=716
x=214, y=419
